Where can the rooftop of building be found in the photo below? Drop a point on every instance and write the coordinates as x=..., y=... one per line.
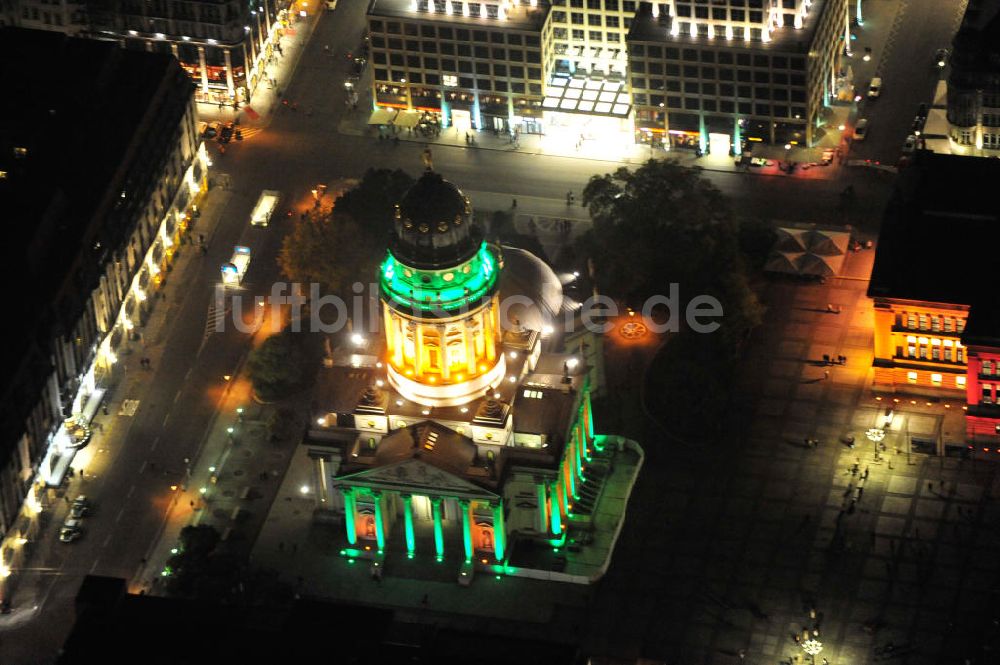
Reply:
x=647, y=28
x=939, y=235
x=69, y=122
x=977, y=42
x=523, y=17
x=124, y=627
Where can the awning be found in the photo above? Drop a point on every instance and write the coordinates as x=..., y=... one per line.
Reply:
x=382, y=116
x=407, y=119
x=808, y=251
x=587, y=96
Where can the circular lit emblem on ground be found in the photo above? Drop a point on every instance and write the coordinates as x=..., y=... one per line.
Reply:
x=633, y=330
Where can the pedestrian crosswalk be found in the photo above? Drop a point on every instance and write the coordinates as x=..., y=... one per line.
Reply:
x=216, y=320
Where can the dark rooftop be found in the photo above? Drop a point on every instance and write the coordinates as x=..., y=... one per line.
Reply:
x=433, y=226
x=523, y=17
x=645, y=28
x=70, y=123
x=939, y=237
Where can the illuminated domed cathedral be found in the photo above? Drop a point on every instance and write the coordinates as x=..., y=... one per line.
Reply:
x=458, y=437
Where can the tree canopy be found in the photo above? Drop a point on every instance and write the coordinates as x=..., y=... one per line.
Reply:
x=276, y=366
x=335, y=247
x=663, y=223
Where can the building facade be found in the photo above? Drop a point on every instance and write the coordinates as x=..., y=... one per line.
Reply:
x=974, y=82
x=594, y=69
x=98, y=225
x=224, y=46
x=454, y=436
x=935, y=334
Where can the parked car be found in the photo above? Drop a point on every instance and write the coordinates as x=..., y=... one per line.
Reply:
x=861, y=129
x=80, y=507
x=918, y=126
x=205, y=130
x=941, y=57
x=71, y=530
x=922, y=112
x=875, y=87
x=910, y=145
x=226, y=133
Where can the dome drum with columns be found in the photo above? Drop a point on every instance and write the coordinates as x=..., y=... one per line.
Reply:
x=440, y=303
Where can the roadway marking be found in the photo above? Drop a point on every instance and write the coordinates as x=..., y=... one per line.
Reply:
x=132, y=489
x=143, y=467
x=177, y=396
x=106, y=541
x=186, y=376
x=165, y=419
x=94, y=566
x=156, y=442
x=119, y=516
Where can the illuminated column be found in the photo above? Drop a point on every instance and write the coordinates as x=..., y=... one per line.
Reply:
x=466, y=527
x=579, y=445
x=488, y=343
x=408, y=519
x=390, y=331
x=443, y=351
x=438, y=531
x=379, y=521
x=556, y=512
x=570, y=474
x=499, y=532
x=230, y=86
x=204, y=70
x=470, y=348
x=418, y=361
x=350, y=517
x=861, y=20
x=401, y=332
x=543, y=509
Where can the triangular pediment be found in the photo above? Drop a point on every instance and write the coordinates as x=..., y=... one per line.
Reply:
x=414, y=476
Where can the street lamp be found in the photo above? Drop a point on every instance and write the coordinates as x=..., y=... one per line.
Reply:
x=813, y=648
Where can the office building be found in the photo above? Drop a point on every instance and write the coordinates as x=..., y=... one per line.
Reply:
x=94, y=219
x=616, y=70
x=974, y=82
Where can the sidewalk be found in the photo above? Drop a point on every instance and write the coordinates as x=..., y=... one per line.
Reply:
x=281, y=67
x=354, y=123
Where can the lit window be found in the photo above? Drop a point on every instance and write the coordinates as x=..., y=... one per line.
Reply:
x=960, y=381
x=936, y=379
x=20, y=152
x=449, y=80
x=911, y=377
x=911, y=339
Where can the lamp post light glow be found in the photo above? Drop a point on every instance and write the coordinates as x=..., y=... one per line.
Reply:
x=813, y=648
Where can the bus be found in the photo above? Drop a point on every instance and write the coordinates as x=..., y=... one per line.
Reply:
x=265, y=207
x=236, y=268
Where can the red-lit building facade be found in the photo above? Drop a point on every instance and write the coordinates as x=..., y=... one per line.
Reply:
x=935, y=333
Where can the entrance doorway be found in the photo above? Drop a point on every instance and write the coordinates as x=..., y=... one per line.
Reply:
x=462, y=120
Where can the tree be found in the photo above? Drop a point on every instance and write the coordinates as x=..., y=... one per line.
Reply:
x=372, y=202
x=663, y=223
x=276, y=366
x=335, y=247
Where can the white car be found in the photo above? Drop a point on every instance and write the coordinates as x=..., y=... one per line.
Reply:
x=875, y=87
x=910, y=145
x=71, y=529
x=79, y=507
x=861, y=129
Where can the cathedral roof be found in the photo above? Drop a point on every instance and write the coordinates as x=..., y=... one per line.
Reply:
x=433, y=225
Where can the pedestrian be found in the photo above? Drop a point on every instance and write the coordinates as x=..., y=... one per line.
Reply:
x=866, y=473
x=424, y=601
x=829, y=307
x=204, y=250
x=513, y=203
x=104, y=409
x=826, y=374
x=826, y=358
x=191, y=503
x=930, y=487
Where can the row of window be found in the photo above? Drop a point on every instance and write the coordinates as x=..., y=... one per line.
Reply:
x=464, y=82
x=627, y=6
x=923, y=348
x=990, y=368
x=449, y=33
x=494, y=54
x=591, y=35
x=722, y=57
x=596, y=20
x=721, y=106
x=452, y=65
x=934, y=322
x=936, y=379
